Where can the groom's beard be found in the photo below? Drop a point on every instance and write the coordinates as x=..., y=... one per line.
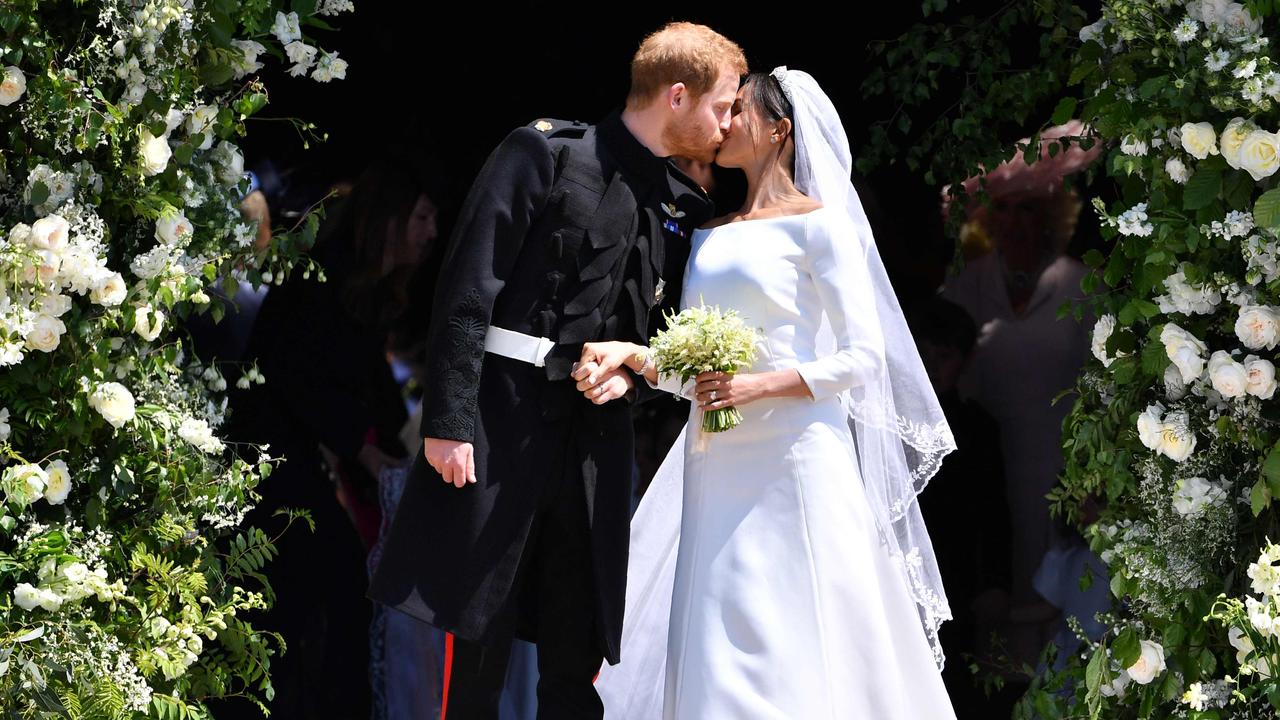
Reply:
x=684, y=139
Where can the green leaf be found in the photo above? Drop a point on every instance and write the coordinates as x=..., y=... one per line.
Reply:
x=1065, y=110
x=1202, y=189
x=1266, y=211
x=1127, y=647
x=39, y=192
x=1259, y=497
x=1271, y=470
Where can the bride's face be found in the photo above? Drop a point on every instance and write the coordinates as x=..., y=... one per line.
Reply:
x=747, y=144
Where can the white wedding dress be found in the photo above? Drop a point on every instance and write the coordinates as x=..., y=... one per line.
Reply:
x=783, y=602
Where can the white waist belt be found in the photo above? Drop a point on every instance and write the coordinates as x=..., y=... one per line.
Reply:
x=517, y=346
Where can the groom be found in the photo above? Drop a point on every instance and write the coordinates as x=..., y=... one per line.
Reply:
x=514, y=522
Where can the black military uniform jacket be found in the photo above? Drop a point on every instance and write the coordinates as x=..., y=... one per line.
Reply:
x=571, y=232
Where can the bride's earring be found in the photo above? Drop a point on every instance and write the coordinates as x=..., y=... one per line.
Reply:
x=773, y=139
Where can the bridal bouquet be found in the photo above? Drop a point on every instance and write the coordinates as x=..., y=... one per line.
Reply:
x=703, y=339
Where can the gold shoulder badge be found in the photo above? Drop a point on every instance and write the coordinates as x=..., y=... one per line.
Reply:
x=671, y=210
x=543, y=125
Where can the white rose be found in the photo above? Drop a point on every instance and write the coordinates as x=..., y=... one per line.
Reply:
x=1236, y=21
x=23, y=484
x=1101, y=333
x=201, y=121
x=1177, y=439
x=1227, y=376
x=143, y=325
x=1199, y=139
x=1261, y=376
x=1117, y=686
x=59, y=482
x=1149, y=664
x=109, y=289
x=1260, y=154
x=12, y=85
x=1177, y=170
x=50, y=600
x=56, y=304
x=49, y=233
x=1174, y=387
x=1185, y=350
x=155, y=152
x=1151, y=426
x=20, y=234
x=1207, y=11
x=45, y=333
x=1258, y=326
x=173, y=120
x=1233, y=137
x=174, y=228
x=114, y=402
x=26, y=596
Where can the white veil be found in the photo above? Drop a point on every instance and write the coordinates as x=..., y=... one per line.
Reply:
x=898, y=427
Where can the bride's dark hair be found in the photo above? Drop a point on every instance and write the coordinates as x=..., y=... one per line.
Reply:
x=764, y=92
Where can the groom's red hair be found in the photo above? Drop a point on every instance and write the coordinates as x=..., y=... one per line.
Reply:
x=682, y=52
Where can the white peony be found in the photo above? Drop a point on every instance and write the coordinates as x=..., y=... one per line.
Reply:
x=1258, y=327
x=1199, y=139
x=114, y=402
x=155, y=152
x=1227, y=375
x=45, y=334
x=59, y=482
x=1260, y=154
x=13, y=84
x=1261, y=376
x=174, y=228
x=109, y=289
x=1236, y=21
x=144, y=326
x=1149, y=664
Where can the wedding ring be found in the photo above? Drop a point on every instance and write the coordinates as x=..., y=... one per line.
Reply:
x=713, y=396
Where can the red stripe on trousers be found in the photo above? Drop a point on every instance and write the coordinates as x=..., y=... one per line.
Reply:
x=448, y=671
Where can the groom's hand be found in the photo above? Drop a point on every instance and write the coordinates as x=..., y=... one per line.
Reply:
x=601, y=387
x=454, y=460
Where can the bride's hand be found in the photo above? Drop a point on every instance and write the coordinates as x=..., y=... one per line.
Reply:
x=601, y=358
x=717, y=390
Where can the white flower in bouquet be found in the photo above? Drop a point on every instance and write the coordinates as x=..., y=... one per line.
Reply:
x=1149, y=664
x=13, y=85
x=1260, y=154
x=1228, y=376
x=1150, y=426
x=1184, y=350
x=1177, y=170
x=1258, y=327
x=45, y=334
x=154, y=151
x=1185, y=31
x=23, y=484
x=1177, y=439
x=248, y=62
x=148, y=321
x=1133, y=145
x=114, y=402
x=109, y=289
x=1199, y=139
x=302, y=55
x=201, y=122
x=1194, y=494
x=174, y=228
x=1233, y=138
x=329, y=67
x=230, y=163
x=58, y=482
x=49, y=233
x=1183, y=297
x=1102, y=330
x=702, y=339
x=1261, y=376
x=198, y=433
x=1134, y=221
x=287, y=28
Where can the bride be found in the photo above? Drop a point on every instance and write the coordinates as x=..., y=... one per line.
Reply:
x=781, y=569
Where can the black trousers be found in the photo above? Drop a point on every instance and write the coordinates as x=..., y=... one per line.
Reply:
x=554, y=591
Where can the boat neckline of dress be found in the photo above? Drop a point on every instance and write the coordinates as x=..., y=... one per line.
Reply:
x=775, y=217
